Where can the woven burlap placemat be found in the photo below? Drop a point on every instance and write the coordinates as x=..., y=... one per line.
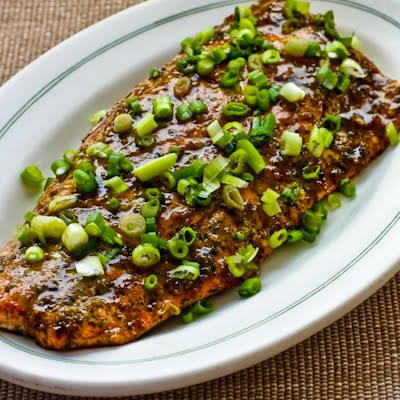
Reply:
x=355, y=358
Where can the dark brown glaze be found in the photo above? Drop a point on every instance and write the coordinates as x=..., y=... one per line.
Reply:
x=62, y=310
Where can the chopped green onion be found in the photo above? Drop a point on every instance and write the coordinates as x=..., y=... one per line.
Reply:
x=32, y=176
x=28, y=216
x=355, y=43
x=187, y=317
x=47, y=183
x=145, y=255
x=89, y=266
x=135, y=105
x=302, y=7
x=215, y=131
x=201, y=196
x=60, y=167
x=353, y=68
x=46, y=227
x=254, y=160
x=205, y=36
x=291, y=143
x=331, y=122
x=250, y=95
x=74, y=236
x=151, y=282
x=294, y=236
x=237, y=160
x=95, y=224
x=168, y=180
x=234, y=181
x=145, y=141
x=153, y=193
x=68, y=217
x=391, y=133
x=278, y=238
x=114, y=203
x=97, y=117
x=249, y=287
x=273, y=94
x=34, y=254
x=122, y=123
x=290, y=194
x=311, y=172
x=146, y=125
x=116, y=162
x=327, y=77
x=85, y=181
x=235, y=109
x=347, y=187
x=263, y=100
x=270, y=56
x=219, y=54
x=182, y=87
x=239, y=236
x=270, y=202
x=133, y=225
x=183, y=112
x=150, y=208
x=178, y=248
x=334, y=200
x=162, y=107
x=212, y=170
x=258, y=79
x=313, y=50
x=154, y=73
x=205, y=67
x=153, y=239
x=99, y=150
x=62, y=202
x=184, y=185
x=247, y=177
x=234, y=265
x=185, y=65
x=198, y=107
x=187, y=271
x=336, y=49
x=202, y=307
x=151, y=225
x=254, y=62
x=232, y=197
x=70, y=156
x=344, y=84
x=291, y=92
x=188, y=235
x=191, y=46
x=311, y=221
x=230, y=79
x=233, y=128
x=296, y=46
x=316, y=143
x=116, y=184
x=155, y=167
x=308, y=236
x=25, y=235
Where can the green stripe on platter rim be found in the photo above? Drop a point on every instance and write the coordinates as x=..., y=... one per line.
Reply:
x=271, y=317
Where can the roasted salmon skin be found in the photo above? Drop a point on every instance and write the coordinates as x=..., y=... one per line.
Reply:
x=185, y=187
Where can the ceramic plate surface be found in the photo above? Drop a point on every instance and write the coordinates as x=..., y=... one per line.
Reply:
x=45, y=110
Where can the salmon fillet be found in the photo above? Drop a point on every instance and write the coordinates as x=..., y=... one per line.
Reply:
x=62, y=310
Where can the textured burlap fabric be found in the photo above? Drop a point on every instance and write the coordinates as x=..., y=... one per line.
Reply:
x=355, y=358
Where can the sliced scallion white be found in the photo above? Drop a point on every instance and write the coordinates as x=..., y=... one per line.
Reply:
x=291, y=92
x=62, y=202
x=215, y=131
x=89, y=266
x=353, y=68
